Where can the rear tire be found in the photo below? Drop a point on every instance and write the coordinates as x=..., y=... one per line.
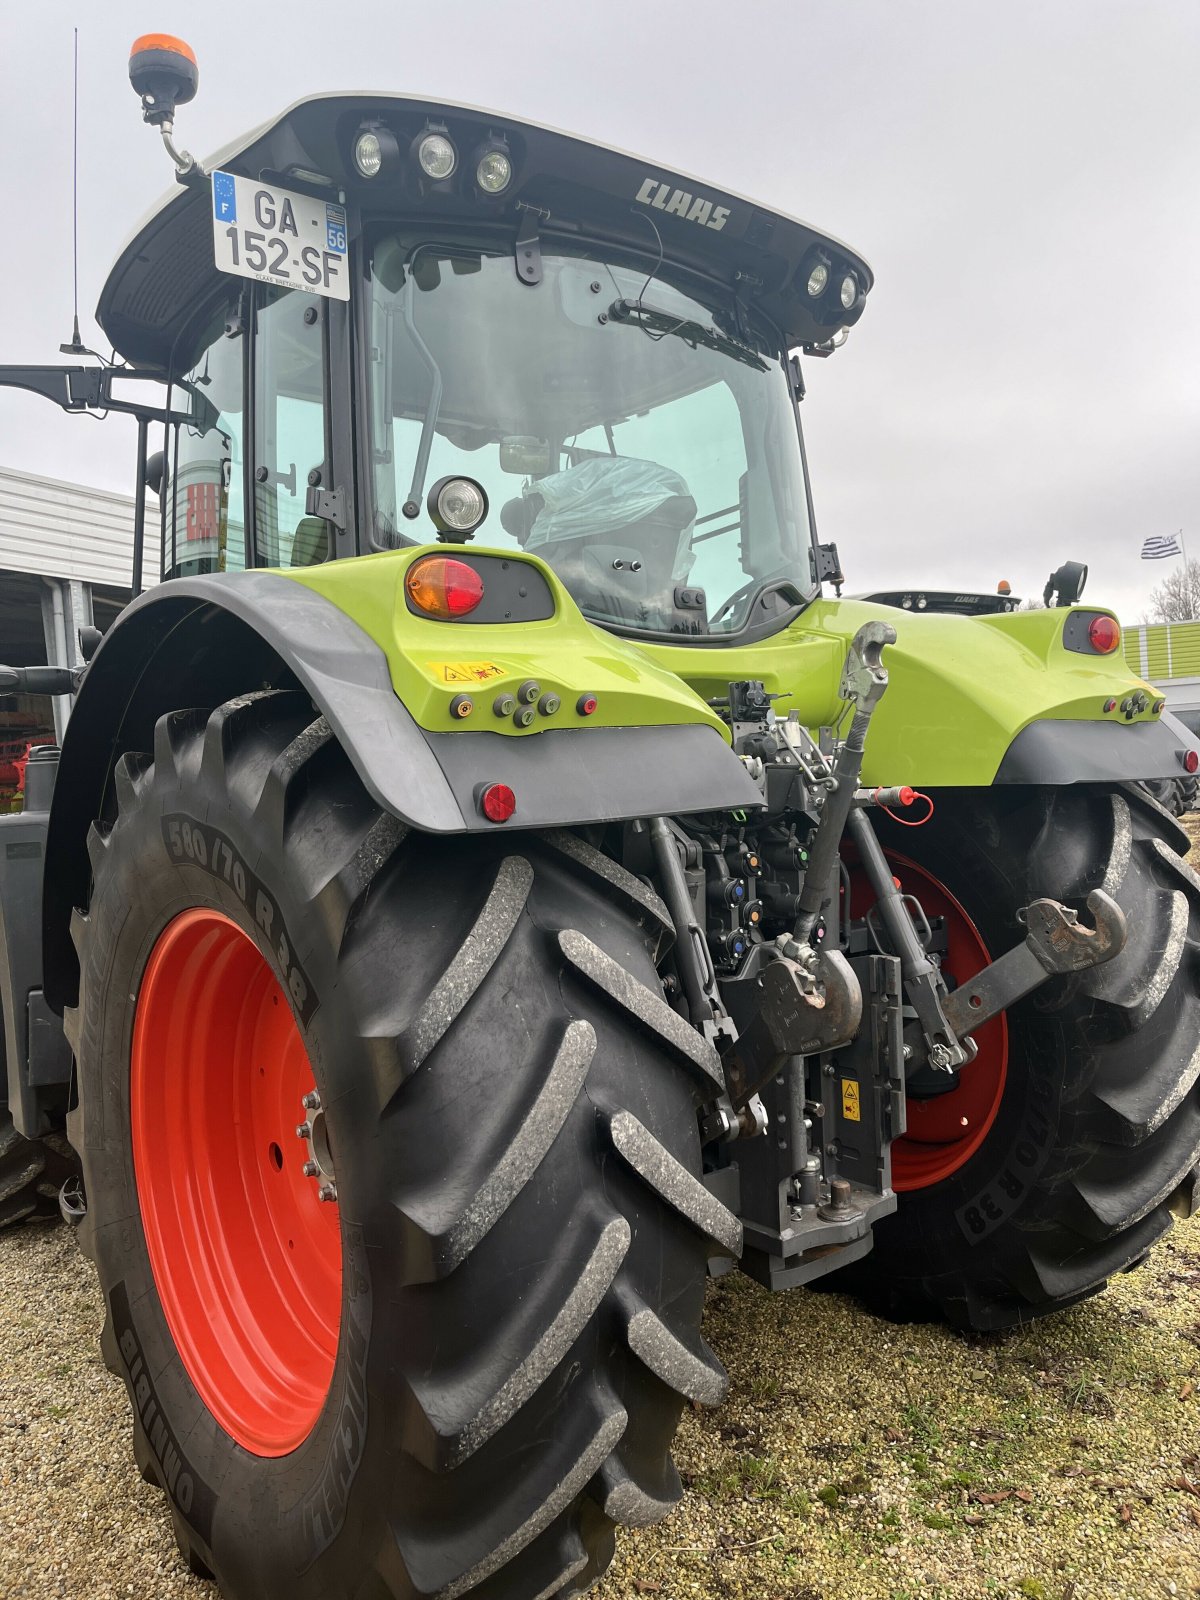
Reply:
x=511, y=1112
x=1098, y=1127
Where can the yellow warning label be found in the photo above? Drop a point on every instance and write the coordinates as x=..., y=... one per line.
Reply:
x=851, y=1108
x=465, y=671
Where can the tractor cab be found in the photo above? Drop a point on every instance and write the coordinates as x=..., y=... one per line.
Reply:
x=385, y=321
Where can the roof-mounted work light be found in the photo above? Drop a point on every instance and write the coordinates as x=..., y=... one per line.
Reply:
x=818, y=277
x=435, y=153
x=374, y=149
x=493, y=166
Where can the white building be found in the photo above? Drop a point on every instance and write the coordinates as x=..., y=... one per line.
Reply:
x=66, y=560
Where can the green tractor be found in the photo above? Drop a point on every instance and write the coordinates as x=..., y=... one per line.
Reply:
x=489, y=886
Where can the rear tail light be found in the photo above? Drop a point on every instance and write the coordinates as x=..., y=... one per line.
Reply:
x=443, y=588
x=1104, y=634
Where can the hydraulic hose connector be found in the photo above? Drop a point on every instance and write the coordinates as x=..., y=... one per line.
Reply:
x=864, y=679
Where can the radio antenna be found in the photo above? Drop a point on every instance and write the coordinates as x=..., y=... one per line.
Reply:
x=76, y=346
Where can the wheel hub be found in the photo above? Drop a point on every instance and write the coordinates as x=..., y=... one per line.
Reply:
x=318, y=1158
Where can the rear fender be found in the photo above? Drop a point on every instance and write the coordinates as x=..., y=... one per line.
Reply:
x=197, y=642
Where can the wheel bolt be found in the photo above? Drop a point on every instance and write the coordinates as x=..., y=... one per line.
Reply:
x=327, y=1191
x=311, y=1101
x=303, y=1130
x=311, y=1169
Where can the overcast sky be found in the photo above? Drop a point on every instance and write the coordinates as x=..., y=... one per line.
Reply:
x=1025, y=384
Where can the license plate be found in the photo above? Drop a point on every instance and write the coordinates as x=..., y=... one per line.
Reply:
x=275, y=236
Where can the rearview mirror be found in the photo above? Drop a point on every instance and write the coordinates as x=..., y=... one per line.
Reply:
x=530, y=457
x=154, y=473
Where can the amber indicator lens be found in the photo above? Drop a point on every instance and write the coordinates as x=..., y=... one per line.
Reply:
x=1104, y=634
x=443, y=588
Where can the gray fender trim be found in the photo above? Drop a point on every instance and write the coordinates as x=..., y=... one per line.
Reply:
x=197, y=641
x=1097, y=752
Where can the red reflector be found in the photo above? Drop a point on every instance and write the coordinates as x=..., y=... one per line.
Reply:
x=586, y=704
x=1104, y=634
x=443, y=588
x=1191, y=761
x=497, y=802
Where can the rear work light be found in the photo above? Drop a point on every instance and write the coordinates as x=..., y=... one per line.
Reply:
x=443, y=588
x=1104, y=635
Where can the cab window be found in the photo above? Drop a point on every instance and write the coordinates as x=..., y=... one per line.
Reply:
x=205, y=520
x=290, y=433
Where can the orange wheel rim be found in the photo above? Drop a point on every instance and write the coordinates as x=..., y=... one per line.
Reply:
x=945, y=1132
x=246, y=1257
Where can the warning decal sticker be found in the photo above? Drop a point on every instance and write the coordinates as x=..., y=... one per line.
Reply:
x=851, y=1108
x=465, y=671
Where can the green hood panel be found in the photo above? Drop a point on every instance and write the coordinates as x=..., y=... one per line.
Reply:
x=431, y=663
x=961, y=688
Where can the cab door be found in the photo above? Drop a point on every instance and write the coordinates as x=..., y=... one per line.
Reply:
x=263, y=477
x=301, y=493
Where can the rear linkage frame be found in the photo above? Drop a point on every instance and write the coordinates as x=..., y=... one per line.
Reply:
x=824, y=1024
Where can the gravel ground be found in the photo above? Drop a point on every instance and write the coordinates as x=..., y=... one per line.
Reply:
x=853, y=1460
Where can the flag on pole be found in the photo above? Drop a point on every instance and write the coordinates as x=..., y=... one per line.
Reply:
x=1159, y=545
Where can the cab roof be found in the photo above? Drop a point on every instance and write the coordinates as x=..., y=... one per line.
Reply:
x=569, y=184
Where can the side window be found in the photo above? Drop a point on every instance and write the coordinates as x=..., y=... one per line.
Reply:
x=289, y=427
x=205, y=524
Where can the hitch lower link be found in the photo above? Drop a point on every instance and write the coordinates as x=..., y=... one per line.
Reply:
x=810, y=1007
x=811, y=1001
x=1056, y=942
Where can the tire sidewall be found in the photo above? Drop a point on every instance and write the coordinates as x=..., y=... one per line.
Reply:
x=298, y=1503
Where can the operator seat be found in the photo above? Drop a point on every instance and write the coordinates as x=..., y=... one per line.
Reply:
x=615, y=537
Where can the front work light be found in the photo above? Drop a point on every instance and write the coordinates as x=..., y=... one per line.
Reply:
x=443, y=588
x=457, y=506
x=436, y=156
x=374, y=149
x=368, y=156
x=818, y=279
x=493, y=167
x=848, y=291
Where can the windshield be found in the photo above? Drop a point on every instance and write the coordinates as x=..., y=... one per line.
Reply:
x=621, y=431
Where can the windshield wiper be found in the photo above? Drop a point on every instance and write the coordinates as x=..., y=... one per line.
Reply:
x=661, y=323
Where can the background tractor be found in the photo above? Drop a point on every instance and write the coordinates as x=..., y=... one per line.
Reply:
x=488, y=885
